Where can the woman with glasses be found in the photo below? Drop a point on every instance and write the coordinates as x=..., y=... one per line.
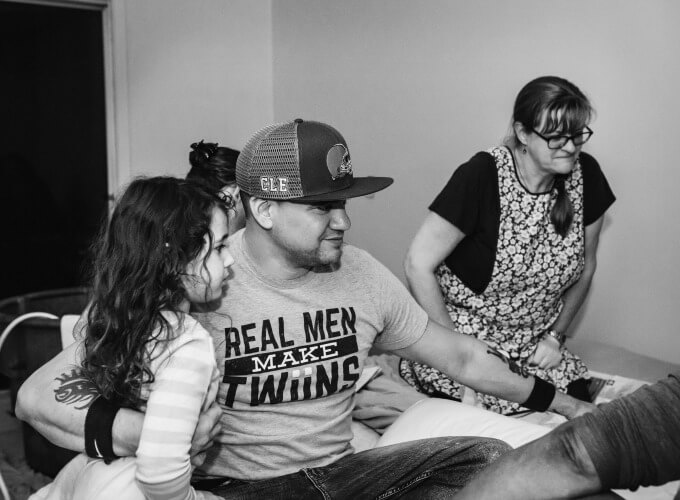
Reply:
x=508, y=249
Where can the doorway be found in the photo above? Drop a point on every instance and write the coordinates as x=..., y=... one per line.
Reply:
x=53, y=152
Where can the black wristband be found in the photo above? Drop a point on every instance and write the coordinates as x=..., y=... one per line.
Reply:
x=541, y=396
x=98, y=427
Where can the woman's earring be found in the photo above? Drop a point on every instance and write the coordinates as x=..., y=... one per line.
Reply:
x=524, y=150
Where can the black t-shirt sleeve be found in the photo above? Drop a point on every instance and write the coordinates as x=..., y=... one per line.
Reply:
x=597, y=195
x=470, y=202
x=465, y=198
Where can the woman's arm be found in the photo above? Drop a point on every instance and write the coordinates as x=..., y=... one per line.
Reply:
x=547, y=354
x=574, y=297
x=433, y=242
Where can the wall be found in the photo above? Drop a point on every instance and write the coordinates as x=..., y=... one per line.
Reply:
x=194, y=70
x=418, y=87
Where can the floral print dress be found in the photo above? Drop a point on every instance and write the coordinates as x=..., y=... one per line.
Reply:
x=533, y=267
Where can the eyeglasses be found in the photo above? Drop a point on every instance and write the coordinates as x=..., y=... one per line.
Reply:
x=559, y=141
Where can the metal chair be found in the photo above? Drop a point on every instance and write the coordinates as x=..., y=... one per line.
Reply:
x=67, y=323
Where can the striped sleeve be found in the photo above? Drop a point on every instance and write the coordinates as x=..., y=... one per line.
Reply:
x=183, y=380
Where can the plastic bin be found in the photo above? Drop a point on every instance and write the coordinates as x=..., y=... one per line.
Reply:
x=30, y=345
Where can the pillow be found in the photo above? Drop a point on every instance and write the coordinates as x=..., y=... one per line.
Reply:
x=440, y=417
x=364, y=438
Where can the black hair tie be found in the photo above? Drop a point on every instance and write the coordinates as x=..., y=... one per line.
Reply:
x=206, y=150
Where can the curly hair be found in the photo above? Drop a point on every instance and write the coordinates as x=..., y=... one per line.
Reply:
x=157, y=228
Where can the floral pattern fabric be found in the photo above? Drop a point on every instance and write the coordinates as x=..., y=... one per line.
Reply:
x=533, y=267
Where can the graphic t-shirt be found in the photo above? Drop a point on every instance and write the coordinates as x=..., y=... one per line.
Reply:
x=290, y=353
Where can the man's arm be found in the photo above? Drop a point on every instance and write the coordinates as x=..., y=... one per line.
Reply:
x=54, y=401
x=475, y=364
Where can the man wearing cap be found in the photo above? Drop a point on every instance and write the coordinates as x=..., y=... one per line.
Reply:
x=292, y=334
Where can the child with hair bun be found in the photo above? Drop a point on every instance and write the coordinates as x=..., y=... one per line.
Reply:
x=214, y=166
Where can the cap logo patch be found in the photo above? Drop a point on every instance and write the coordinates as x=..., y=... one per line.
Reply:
x=274, y=184
x=338, y=161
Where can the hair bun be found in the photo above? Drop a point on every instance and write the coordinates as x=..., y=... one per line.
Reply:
x=204, y=149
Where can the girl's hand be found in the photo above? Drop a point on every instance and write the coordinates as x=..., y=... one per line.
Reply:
x=547, y=354
x=207, y=429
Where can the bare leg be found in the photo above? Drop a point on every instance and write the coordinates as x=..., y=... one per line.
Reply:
x=554, y=466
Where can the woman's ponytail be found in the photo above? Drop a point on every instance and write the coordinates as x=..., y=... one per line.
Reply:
x=562, y=213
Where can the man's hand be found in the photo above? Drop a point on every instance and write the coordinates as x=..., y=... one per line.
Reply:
x=570, y=407
x=547, y=354
x=207, y=429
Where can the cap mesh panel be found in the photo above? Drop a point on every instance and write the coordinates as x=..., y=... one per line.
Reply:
x=272, y=153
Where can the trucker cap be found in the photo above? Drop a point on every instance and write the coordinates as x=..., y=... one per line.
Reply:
x=304, y=161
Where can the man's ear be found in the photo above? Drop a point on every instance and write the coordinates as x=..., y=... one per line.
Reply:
x=520, y=133
x=261, y=211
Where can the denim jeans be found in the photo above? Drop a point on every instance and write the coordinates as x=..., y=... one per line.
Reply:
x=427, y=468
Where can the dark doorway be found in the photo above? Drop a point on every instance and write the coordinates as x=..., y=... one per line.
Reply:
x=53, y=175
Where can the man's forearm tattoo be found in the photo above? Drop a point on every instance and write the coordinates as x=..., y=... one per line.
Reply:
x=514, y=367
x=75, y=389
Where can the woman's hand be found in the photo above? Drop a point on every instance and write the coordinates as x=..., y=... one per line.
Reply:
x=547, y=354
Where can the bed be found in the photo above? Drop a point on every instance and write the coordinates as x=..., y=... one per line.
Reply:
x=423, y=418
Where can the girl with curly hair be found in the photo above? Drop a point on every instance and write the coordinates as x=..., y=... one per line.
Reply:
x=163, y=249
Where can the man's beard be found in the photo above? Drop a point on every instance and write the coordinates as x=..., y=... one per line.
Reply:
x=317, y=258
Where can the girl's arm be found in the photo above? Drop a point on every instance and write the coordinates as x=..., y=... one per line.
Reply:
x=547, y=354
x=182, y=384
x=433, y=242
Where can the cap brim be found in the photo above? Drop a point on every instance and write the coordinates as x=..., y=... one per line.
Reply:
x=360, y=187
